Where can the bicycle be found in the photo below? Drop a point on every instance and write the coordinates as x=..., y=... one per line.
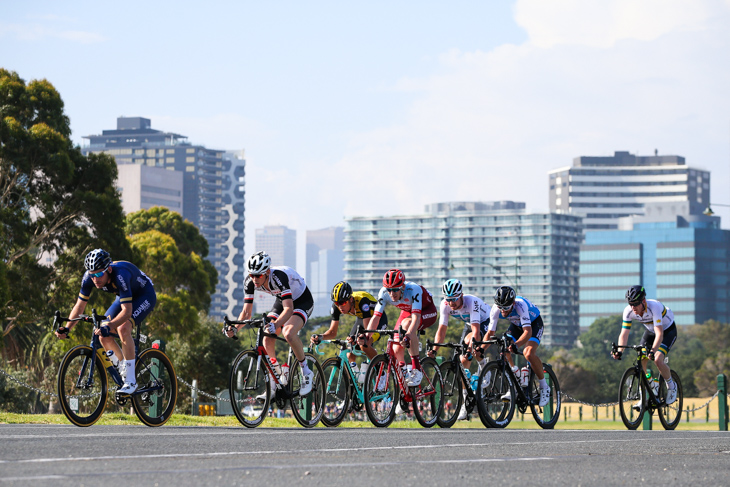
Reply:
x=497, y=379
x=385, y=382
x=454, y=377
x=342, y=384
x=636, y=396
x=252, y=379
x=85, y=370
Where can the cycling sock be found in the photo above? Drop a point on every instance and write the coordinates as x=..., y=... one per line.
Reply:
x=543, y=383
x=305, y=367
x=482, y=363
x=416, y=363
x=130, y=378
x=671, y=384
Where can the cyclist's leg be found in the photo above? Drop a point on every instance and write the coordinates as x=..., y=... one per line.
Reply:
x=142, y=306
x=109, y=343
x=647, y=340
x=403, y=322
x=270, y=342
x=670, y=336
x=290, y=331
x=530, y=350
x=513, y=332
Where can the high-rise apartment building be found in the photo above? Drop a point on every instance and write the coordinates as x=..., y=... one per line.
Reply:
x=280, y=243
x=135, y=142
x=485, y=245
x=234, y=205
x=143, y=187
x=604, y=189
x=680, y=258
x=325, y=261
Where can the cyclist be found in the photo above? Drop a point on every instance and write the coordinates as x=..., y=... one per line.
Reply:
x=525, y=330
x=659, y=336
x=292, y=307
x=359, y=304
x=135, y=300
x=475, y=315
x=418, y=312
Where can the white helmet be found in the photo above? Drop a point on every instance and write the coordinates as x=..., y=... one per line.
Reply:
x=258, y=263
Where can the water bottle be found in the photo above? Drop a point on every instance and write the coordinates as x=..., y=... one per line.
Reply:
x=363, y=373
x=468, y=375
x=355, y=370
x=284, y=374
x=276, y=366
x=524, y=376
x=474, y=382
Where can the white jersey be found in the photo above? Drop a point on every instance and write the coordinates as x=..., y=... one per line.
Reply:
x=283, y=283
x=655, y=314
x=523, y=313
x=473, y=310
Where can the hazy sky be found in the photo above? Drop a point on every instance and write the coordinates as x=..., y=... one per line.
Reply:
x=346, y=109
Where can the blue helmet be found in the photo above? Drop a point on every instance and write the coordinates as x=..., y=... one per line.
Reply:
x=452, y=288
x=97, y=259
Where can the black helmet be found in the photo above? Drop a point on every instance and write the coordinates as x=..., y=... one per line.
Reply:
x=341, y=292
x=504, y=297
x=635, y=294
x=97, y=259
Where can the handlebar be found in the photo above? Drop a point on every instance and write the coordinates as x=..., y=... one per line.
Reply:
x=254, y=323
x=64, y=330
x=641, y=350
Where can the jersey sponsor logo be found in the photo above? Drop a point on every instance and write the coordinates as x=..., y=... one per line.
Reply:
x=429, y=315
x=366, y=307
x=380, y=301
x=415, y=299
x=122, y=283
x=142, y=308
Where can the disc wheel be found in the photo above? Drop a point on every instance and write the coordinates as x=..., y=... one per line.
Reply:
x=546, y=416
x=82, y=398
x=380, y=402
x=307, y=409
x=493, y=384
x=156, y=395
x=669, y=415
x=428, y=395
x=453, y=394
x=337, y=391
x=631, y=399
x=249, y=389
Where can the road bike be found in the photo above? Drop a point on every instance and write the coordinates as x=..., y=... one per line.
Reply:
x=497, y=379
x=254, y=384
x=454, y=377
x=343, y=390
x=636, y=396
x=385, y=382
x=83, y=379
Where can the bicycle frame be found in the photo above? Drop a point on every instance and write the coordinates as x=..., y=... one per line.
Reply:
x=458, y=352
x=345, y=349
x=522, y=400
x=652, y=401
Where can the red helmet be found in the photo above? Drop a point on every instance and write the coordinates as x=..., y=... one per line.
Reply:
x=394, y=278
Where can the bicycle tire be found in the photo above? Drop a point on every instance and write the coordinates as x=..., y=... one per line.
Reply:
x=307, y=409
x=249, y=388
x=337, y=391
x=83, y=405
x=631, y=395
x=428, y=395
x=380, y=405
x=493, y=384
x=669, y=415
x=453, y=394
x=154, y=371
x=539, y=412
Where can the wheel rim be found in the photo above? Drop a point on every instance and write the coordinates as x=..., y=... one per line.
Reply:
x=337, y=391
x=631, y=395
x=380, y=405
x=427, y=396
x=248, y=389
x=82, y=401
x=157, y=386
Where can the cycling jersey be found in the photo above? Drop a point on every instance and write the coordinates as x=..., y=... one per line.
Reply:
x=411, y=299
x=363, y=307
x=473, y=310
x=655, y=314
x=283, y=283
x=522, y=314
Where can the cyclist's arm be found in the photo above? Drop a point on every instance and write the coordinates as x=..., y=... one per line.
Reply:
x=440, y=335
x=658, y=338
x=525, y=337
x=476, y=332
x=332, y=332
x=283, y=318
x=373, y=323
x=122, y=317
x=77, y=310
x=246, y=313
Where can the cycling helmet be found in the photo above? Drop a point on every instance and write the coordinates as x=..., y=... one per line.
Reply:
x=504, y=297
x=452, y=288
x=635, y=294
x=258, y=263
x=341, y=292
x=97, y=259
x=394, y=278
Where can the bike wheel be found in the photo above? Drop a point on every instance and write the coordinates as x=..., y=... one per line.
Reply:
x=546, y=416
x=452, y=393
x=631, y=399
x=428, y=395
x=307, y=409
x=380, y=404
x=493, y=384
x=156, y=395
x=670, y=414
x=82, y=398
x=249, y=388
x=337, y=391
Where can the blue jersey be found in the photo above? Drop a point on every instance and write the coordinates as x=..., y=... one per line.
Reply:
x=523, y=313
x=127, y=282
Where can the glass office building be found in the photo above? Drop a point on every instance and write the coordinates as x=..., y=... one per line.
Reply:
x=485, y=245
x=680, y=258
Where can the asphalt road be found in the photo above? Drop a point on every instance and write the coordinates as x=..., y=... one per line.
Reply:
x=185, y=456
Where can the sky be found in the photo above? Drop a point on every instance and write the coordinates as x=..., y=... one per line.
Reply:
x=345, y=109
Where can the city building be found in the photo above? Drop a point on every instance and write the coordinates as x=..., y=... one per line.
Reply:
x=679, y=256
x=143, y=187
x=325, y=260
x=234, y=262
x=280, y=243
x=485, y=245
x=604, y=189
x=135, y=142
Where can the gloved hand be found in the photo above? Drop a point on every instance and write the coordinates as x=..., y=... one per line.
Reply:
x=271, y=328
x=104, y=329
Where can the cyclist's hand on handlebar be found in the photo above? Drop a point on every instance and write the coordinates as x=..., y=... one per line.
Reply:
x=616, y=355
x=315, y=339
x=230, y=330
x=431, y=353
x=651, y=356
x=62, y=332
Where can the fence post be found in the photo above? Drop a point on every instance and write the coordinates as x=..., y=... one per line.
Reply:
x=547, y=412
x=194, y=397
x=580, y=413
x=156, y=408
x=722, y=403
x=647, y=420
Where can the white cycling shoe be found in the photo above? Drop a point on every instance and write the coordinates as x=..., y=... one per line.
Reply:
x=414, y=378
x=128, y=388
x=306, y=384
x=544, y=396
x=671, y=396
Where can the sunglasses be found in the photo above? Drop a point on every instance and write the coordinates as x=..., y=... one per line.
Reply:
x=97, y=274
x=505, y=308
x=340, y=303
x=392, y=289
x=257, y=275
x=451, y=300
x=636, y=303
